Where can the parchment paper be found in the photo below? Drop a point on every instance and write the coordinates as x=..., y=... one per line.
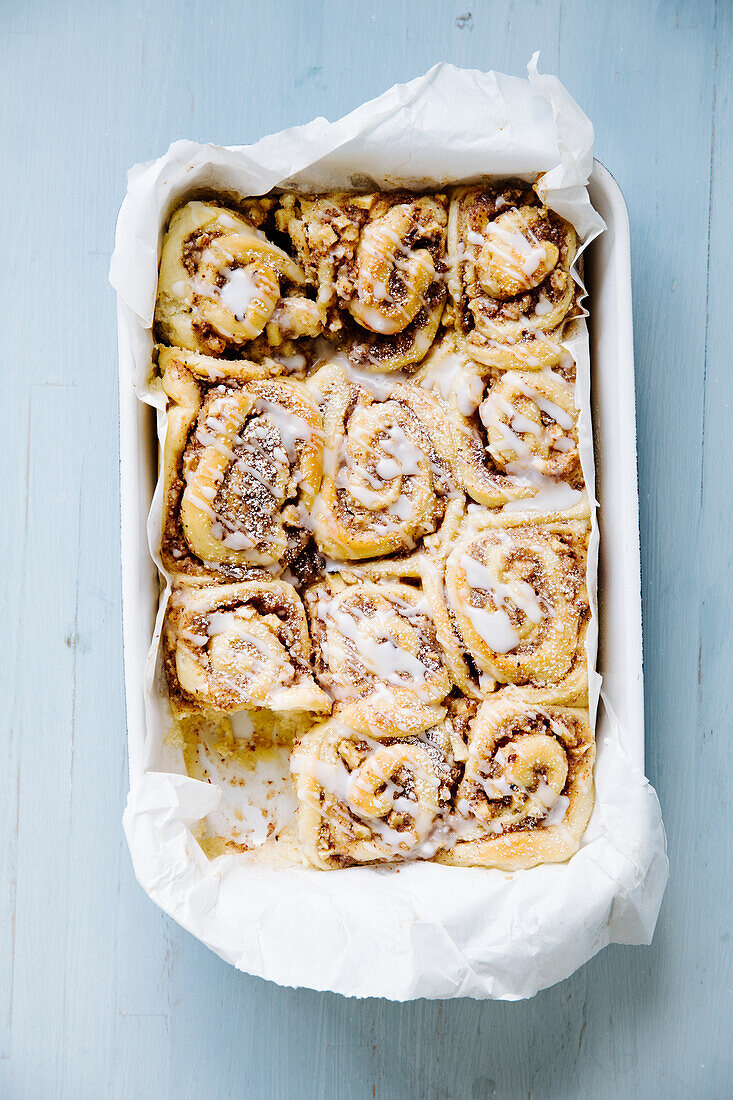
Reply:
x=420, y=929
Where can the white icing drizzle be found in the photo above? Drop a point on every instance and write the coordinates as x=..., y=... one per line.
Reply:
x=295, y=362
x=405, y=461
x=233, y=540
x=449, y=373
x=239, y=291
x=556, y=813
x=262, y=658
x=388, y=468
x=216, y=434
x=489, y=413
x=380, y=653
x=203, y=505
x=520, y=593
x=380, y=290
x=292, y=427
x=543, y=306
x=494, y=627
x=495, y=786
x=336, y=780
x=207, y=439
x=380, y=386
x=226, y=622
x=375, y=320
x=518, y=247
x=406, y=454
x=551, y=495
x=227, y=221
x=546, y=804
x=468, y=397
x=545, y=405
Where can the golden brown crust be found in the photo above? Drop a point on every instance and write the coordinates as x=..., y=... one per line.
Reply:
x=223, y=284
x=378, y=262
x=511, y=283
x=511, y=260
x=514, y=433
x=510, y=605
x=377, y=654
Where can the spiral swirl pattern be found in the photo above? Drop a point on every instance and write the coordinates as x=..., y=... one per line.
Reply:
x=510, y=261
x=361, y=801
x=222, y=283
x=512, y=599
x=521, y=442
x=527, y=788
x=382, y=258
x=242, y=461
x=377, y=654
x=237, y=647
x=387, y=467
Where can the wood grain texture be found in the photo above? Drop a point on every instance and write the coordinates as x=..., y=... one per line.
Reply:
x=100, y=993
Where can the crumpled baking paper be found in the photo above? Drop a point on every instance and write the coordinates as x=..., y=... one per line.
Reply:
x=419, y=929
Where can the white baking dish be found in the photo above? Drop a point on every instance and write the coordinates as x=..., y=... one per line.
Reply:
x=608, y=278
x=542, y=923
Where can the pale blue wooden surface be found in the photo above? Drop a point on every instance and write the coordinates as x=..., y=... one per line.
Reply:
x=100, y=993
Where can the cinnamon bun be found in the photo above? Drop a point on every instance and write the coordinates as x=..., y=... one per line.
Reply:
x=222, y=284
x=526, y=793
x=510, y=605
x=365, y=801
x=379, y=262
x=240, y=464
x=377, y=654
x=515, y=433
x=387, y=466
x=510, y=274
x=238, y=647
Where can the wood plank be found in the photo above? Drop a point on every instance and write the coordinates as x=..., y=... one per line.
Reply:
x=44, y=720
